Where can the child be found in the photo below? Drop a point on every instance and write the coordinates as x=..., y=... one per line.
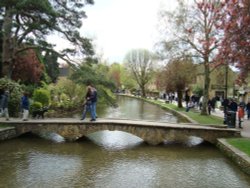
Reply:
x=240, y=114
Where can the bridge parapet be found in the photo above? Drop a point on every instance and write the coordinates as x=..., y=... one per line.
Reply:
x=151, y=132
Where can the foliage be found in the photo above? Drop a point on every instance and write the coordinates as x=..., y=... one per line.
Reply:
x=15, y=94
x=51, y=65
x=98, y=76
x=177, y=75
x=41, y=95
x=198, y=91
x=235, y=46
x=140, y=62
x=127, y=80
x=29, y=22
x=35, y=106
x=66, y=94
x=115, y=74
x=27, y=67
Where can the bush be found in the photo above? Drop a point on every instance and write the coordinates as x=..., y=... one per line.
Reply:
x=42, y=96
x=35, y=106
x=16, y=91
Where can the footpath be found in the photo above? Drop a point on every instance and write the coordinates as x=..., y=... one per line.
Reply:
x=245, y=130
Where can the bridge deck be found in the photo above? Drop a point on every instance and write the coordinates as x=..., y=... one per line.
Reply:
x=114, y=121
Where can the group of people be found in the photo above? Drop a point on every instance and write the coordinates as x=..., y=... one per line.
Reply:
x=231, y=105
x=89, y=104
x=4, y=101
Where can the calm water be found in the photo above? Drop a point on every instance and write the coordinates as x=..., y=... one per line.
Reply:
x=131, y=108
x=116, y=160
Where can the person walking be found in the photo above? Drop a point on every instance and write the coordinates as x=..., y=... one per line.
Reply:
x=87, y=106
x=240, y=115
x=248, y=109
x=25, y=106
x=225, y=104
x=4, y=105
x=93, y=100
x=209, y=106
x=187, y=99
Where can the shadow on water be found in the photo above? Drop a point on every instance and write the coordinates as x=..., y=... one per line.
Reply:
x=54, y=137
x=115, y=140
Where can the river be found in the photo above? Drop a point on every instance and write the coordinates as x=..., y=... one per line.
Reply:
x=116, y=159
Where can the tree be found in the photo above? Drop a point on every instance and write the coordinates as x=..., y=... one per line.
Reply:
x=51, y=65
x=235, y=47
x=97, y=74
x=177, y=75
x=140, y=63
x=27, y=68
x=115, y=74
x=127, y=81
x=29, y=22
x=192, y=32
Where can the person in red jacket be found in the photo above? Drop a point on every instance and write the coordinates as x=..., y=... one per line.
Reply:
x=240, y=114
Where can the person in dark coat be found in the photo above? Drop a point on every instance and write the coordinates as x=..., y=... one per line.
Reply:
x=209, y=106
x=87, y=106
x=248, y=109
x=233, y=106
x=225, y=105
x=4, y=105
x=25, y=105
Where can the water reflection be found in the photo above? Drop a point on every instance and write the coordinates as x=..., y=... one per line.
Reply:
x=52, y=136
x=115, y=140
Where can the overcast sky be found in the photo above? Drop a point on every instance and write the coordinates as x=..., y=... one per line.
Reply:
x=118, y=26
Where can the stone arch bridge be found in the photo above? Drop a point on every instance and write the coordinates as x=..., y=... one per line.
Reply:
x=151, y=132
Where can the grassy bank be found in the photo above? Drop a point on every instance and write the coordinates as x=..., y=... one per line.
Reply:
x=242, y=144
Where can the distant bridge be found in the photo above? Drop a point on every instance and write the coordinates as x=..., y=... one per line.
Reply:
x=151, y=132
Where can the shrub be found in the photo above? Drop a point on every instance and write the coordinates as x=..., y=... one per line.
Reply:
x=42, y=96
x=35, y=106
x=16, y=91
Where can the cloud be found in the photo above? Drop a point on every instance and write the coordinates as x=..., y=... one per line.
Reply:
x=120, y=25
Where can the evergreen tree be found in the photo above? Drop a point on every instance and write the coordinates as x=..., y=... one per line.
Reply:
x=29, y=22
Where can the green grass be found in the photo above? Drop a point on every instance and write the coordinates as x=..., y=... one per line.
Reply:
x=242, y=144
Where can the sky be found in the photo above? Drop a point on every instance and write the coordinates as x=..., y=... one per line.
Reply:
x=117, y=26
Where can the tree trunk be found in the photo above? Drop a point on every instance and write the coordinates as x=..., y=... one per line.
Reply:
x=7, y=46
x=206, y=87
x=179, y=96
x=143, y=92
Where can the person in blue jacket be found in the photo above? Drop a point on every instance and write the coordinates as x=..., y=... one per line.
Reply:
x=25, y=106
